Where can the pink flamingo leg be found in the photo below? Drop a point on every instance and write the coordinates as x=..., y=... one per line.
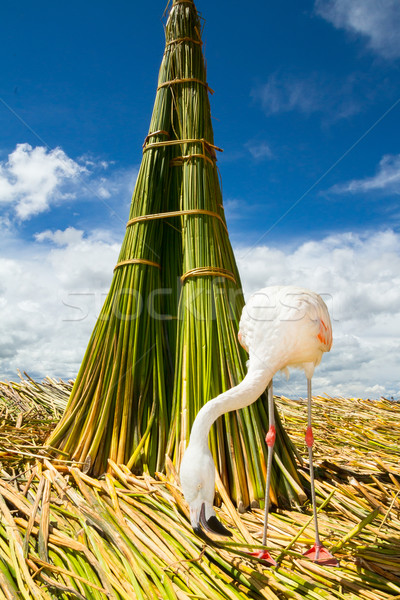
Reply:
x=270, y=439
x=317, y=553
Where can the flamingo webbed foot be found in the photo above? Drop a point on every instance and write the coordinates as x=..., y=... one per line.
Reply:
x=321, y=556
x=265, y=556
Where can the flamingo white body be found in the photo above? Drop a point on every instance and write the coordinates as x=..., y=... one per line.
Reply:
x=285, y=326
x=280, y=327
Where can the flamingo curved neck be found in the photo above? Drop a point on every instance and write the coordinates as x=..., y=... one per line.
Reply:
x=243, y=394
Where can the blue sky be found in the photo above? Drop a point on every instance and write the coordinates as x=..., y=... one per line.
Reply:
x=307, y=110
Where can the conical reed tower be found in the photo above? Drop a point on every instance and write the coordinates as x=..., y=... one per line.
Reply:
x=166, y=339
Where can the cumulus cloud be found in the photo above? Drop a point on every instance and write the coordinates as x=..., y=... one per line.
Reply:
x=378, y=22
x=60, y=238
x=285, y=92
x=52, y=289
x=387, y=178
x=32, y=180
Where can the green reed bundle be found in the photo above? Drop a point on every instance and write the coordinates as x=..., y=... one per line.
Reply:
x=166, y=340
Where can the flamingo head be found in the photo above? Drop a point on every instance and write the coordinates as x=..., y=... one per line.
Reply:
x=197, y=475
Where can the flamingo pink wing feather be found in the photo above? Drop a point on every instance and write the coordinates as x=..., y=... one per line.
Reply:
x=325, y=335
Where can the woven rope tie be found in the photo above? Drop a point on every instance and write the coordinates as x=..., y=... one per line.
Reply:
x=211, y=271
x=159, y=132
x=186, y=80
x=178, y=213
x=206, y=145
x=179, y=160
x=184, y=39
x=137, y=261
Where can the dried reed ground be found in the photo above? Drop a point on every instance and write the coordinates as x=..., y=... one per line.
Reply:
x=65, y=535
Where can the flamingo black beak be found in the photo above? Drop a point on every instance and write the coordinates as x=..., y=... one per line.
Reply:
x=211, y=525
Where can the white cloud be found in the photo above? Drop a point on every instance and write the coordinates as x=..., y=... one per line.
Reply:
x=52, y=289
x=259, y=150
x=285, y=92
x=387, y=178
x=118, y=183
x=376, y=390
x=379, y=21
x=32, y=178
x=68, y=237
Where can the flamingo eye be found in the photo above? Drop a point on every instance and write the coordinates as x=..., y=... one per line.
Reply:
x=199, y=486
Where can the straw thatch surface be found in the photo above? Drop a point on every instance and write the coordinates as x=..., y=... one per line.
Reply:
x=65, y=535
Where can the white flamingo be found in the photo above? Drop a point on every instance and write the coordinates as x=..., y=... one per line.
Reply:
x=280, y=327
